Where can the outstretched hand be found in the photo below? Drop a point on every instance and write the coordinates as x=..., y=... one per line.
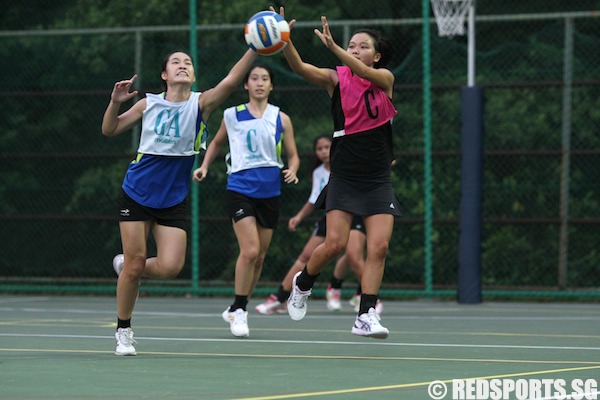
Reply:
x=121, y=93
x=282, y=13
x=325, y=36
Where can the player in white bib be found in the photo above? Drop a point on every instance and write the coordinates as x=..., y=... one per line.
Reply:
x=157, y=182
x=255, y=132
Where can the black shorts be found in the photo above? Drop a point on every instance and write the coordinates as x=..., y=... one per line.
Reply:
x=175, y=216
x=358, y=224
x=266, y=211
x=321, y=226
x=361, y=197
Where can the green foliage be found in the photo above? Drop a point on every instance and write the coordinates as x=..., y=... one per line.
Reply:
x=61, y=177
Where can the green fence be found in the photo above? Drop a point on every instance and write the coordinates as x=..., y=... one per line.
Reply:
x=541, y=211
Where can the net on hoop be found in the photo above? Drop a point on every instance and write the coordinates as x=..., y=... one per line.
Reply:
x=450, y=16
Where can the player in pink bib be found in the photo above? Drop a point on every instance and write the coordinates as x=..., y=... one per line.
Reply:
x=361, y=157
x=365, y=105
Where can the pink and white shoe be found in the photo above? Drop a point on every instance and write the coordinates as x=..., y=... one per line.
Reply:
x=333, y=297
x=271, y=306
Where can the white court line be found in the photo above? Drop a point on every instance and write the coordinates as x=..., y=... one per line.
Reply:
x=22, y=299
x=312, y=342
x=108, y=312
x=314, y=316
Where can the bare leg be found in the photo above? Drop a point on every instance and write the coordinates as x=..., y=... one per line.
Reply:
x=265, y=235
x=301, y=261
x=133, y=236
x=353, y=258
x=341, y=267
x=338, y=231
x=379, y=231
x=171, y=247
x=246, y=232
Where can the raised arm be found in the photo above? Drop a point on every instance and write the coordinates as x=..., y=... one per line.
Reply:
x=323, y=77
x=113, y=123
x=213, y=98
x=381, y=77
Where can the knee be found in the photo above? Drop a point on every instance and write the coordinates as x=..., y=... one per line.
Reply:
x=172, y=273
x=171, y=270
x=334, y=248
x=379, y=250
x=304, y=257
x=134, y=266
x=249, y=256
x=170, y=267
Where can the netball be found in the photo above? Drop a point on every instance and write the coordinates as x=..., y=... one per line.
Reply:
x=267, y=33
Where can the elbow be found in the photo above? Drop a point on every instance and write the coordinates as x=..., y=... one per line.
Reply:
x=294, y=67
x=108, y=132
x=363, y=73
x=297, y=68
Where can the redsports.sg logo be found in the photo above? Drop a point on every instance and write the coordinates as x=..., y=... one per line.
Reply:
x=519, y=389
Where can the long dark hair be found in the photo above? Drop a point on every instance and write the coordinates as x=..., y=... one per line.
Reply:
x=382, y=45
x=316, y=162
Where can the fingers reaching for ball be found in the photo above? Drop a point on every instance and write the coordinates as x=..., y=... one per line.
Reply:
x=282, y=14
x=121, y=92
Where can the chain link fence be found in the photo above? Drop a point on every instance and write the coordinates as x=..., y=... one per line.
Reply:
x=60, y=178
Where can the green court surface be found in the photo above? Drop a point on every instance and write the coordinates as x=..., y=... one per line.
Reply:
x=63, y=348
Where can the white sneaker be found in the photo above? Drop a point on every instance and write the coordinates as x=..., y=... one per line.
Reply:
x=125, y=342
x=271, y=306
x=238, y=321
x=379, y=307
x=355, y=302
x=118, y=263
x=368, y=325
x=296, y=303
x=333, y=297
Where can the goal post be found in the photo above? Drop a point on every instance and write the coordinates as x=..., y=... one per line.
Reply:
x=450, y=19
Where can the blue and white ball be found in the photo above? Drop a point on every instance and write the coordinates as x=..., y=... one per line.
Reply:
x=267, y=33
